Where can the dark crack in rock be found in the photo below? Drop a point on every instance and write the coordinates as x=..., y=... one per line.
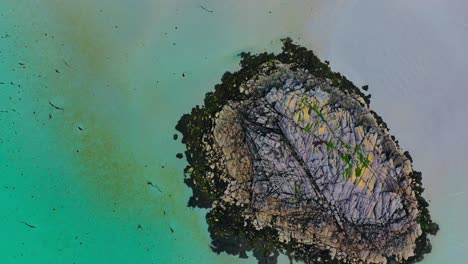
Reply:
x=290, y=159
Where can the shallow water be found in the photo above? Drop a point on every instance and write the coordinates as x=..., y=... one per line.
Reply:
x=413, y=55
x=79, y=175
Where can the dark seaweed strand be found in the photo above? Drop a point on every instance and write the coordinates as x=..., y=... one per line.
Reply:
x=226, y=226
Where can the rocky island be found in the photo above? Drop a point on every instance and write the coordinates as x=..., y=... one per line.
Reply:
x=290, y=159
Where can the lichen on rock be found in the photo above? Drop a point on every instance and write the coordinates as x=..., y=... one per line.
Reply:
x=290, y=158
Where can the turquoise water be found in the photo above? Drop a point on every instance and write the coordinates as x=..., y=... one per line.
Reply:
x=115, y=67
x=79, y=176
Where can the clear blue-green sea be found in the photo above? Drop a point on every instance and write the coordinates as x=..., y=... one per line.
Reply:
x=90, y=93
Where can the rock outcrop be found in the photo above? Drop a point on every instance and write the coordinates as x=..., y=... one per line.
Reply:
x=302, y=156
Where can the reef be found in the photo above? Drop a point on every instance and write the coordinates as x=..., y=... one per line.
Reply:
x=290, y=159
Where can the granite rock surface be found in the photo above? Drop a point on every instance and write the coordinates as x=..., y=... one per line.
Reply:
x=284, y=163
x=289, y=158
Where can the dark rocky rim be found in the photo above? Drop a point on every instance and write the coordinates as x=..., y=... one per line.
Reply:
x=226, y=226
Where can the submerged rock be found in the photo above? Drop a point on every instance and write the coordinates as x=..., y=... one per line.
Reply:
x=291, y=159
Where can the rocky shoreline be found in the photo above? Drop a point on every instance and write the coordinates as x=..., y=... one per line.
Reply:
x=290, y=159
